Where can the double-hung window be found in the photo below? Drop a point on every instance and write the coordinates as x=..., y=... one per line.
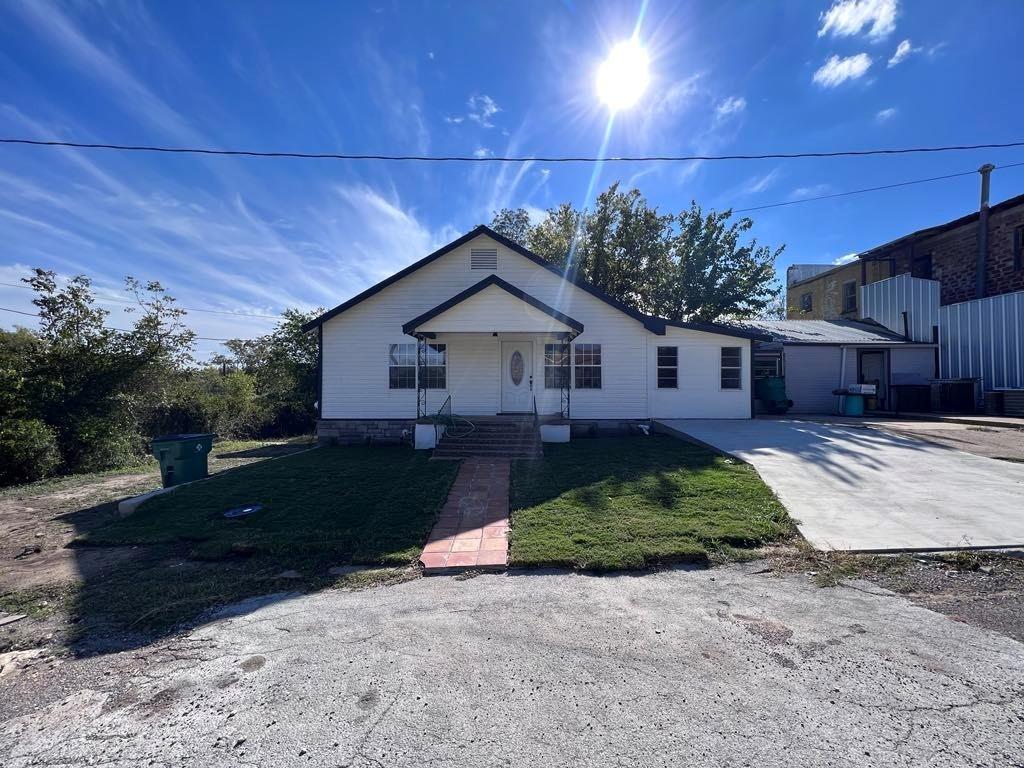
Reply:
x=556, y=366
x=850, y=296
x=402, y=366
x=435, y=367
x=732, y=368
x=668, y=367
x=588, y=366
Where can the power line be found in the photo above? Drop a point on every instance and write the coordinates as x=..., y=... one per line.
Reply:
x=867, y=189
x=507, y=158
x=103, y=299
x=119, y=330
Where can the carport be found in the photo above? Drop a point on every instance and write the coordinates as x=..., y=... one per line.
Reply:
x=861, y=489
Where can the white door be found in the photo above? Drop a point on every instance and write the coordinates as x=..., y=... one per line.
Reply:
x=516, y=376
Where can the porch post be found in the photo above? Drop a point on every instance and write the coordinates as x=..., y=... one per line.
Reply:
x=421, y=386
x=567, y=376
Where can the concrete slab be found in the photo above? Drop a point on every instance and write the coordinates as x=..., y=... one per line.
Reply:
x=861, y=489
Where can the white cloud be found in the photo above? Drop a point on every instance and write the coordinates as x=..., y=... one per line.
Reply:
x=481, y=109
x=845, y=259
x=482, y=152
x=846, y=18
x=884, y=115
x=730, y=106
x=836, y=71
x=756, y=184
x=678, y=96
x=903, y=50
x=814, y=190
x=430, y=55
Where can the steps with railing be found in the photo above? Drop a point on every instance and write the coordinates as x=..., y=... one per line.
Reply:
x=499, y=437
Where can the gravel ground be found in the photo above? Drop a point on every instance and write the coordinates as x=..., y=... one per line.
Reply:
x=994, y=442
x=720, y=667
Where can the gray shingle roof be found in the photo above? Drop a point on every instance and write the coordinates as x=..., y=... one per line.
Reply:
x=825, y=331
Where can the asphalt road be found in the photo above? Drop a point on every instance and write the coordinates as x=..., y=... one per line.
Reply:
x=859, y=489
x=717, y=667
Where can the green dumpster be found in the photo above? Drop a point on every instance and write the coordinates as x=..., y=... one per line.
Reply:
x=771, y=391
x=182, y=457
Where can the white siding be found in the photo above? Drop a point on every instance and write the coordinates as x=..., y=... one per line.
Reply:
x=812, y=372
x=700, y=395
x=355, y=349
x=493, y=310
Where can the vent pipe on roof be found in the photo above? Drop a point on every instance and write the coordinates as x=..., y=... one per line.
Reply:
x=982, y=260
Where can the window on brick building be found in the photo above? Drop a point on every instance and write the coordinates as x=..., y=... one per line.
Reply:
x=922, y=267
x=806, y=303
x=1018, y=248
x=850, y=296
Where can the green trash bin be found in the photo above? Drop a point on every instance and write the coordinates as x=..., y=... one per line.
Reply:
x=182, y=457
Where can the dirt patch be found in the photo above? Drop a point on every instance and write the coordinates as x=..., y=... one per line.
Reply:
x=985, y=589
x=993, y=442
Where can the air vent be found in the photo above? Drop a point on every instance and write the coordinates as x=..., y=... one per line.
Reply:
x=483, y=258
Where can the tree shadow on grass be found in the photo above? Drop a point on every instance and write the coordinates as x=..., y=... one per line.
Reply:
x=322, y=509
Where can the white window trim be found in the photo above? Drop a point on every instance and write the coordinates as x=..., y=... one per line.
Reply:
x=740, y=388
x=600, y=366
x=658, y=366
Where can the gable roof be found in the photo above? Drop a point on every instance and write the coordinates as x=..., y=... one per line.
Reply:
x=487, y=282
x=653, y=324
x=833, y=332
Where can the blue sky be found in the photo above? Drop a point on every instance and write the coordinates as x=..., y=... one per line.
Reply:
x=256, y=236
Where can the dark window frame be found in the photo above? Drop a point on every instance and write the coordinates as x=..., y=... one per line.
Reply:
x=668, y=367
x=922, y=267
x=807, y=302
x=587, y=366
x=556, y=368
x=850, y=301
x=734, y=372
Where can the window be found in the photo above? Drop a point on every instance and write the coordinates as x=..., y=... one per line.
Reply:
x=922, y=267
x=668, y=367
x=850, y=296
x=1018, y=248
x=806, y=303
x=556, y=366
x=767, y=366
x=732, y=368
x=435, y=367
x=483, y=258
x=402, y=366
x=588, y=366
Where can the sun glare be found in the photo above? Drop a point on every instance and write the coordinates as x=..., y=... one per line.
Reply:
x=622, y=78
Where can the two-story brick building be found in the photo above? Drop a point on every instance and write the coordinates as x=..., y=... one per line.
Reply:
x=966, y=265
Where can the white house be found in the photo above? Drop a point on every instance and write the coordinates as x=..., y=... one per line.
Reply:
x=500, y=330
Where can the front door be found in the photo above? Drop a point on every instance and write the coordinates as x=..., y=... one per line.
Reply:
x=872, y=371
x=516, y=376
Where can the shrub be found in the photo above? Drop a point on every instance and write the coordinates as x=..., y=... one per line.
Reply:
x=28, y=451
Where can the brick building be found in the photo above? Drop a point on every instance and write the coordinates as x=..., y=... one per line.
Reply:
x=947, y=253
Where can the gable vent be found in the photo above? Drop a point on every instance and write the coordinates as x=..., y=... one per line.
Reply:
x=483, y=258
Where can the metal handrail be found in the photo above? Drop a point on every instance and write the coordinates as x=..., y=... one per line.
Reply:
x=536, y=418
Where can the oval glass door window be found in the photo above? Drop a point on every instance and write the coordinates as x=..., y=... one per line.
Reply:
x=515, y=366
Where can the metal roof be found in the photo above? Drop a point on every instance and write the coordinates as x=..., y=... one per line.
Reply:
x=826, y=331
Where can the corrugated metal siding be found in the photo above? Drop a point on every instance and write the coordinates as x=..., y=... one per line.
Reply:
x=885, y=301
x=984, y=339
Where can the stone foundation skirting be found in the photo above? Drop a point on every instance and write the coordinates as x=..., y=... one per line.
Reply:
x=360, y=431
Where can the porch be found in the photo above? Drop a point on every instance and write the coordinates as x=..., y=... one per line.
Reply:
x=491, y=350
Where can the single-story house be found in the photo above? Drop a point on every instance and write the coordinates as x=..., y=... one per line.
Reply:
x=500, y=330
x=819, y=356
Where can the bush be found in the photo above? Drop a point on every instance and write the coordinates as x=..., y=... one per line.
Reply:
x=28, y=451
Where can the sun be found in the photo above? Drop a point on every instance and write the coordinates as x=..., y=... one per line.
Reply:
x=622, y=78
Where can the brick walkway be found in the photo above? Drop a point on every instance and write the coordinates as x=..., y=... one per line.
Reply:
x=472, y=531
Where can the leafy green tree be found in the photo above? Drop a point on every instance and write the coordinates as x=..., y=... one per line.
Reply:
x=512, y=223
x=685, y=266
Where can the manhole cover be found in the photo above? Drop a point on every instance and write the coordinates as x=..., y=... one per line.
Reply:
x=248, y=509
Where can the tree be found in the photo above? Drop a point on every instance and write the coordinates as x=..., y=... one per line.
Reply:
x=512, y=223
x=685, y=266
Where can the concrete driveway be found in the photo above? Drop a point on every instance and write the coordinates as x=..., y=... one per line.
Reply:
x=713, y=667
x=862, y=489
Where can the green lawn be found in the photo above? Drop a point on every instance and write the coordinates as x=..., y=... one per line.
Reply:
x=323, y=508
x=629, y=502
